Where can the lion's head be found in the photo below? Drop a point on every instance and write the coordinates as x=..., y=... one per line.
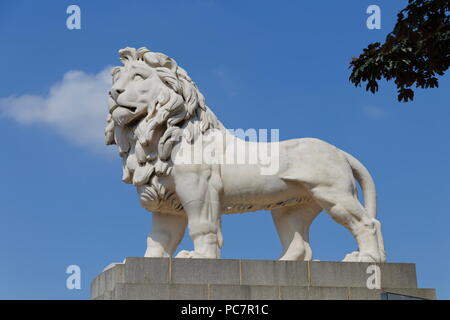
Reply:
x=152, y=103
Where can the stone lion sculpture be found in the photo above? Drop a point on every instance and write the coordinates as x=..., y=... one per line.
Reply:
x=156, y=112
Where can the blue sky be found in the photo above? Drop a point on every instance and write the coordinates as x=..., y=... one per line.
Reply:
x=260, y=64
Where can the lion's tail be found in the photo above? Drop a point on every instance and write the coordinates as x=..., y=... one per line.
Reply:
x=364, y=178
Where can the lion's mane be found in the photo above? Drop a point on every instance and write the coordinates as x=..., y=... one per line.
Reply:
x=146, y=147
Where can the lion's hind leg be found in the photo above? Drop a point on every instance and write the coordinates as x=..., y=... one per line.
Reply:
x=345, y=208
x=167, y=233
x=293, y=224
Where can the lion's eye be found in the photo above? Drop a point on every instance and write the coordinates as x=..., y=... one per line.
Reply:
x=138, y=76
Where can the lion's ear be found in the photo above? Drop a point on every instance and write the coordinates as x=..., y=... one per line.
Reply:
x=169, y=63
x=157, y=59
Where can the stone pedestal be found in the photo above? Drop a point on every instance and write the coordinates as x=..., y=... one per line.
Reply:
x=164, y=278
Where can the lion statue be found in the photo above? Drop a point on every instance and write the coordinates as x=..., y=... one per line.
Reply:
x=156, y=114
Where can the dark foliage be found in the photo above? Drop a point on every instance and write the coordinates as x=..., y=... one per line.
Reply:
x=415, y=52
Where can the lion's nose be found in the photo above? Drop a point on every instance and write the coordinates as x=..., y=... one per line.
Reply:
x=115, y=92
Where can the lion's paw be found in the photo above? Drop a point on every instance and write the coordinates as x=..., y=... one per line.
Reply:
x=183, y=254
x=357, y=256
x=190, y=254
x=351, y=257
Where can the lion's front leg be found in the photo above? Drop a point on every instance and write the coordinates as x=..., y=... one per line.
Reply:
x=198, y=188
x=167, y=233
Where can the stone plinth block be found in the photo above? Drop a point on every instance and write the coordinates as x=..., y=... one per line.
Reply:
x=222, y=279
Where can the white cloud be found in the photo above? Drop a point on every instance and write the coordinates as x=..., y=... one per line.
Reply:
x=75, y=107
x=374, y=112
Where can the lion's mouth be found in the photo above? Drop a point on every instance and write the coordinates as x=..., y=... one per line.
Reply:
x=132, y=109
x=127, y=114
x=113, y=105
